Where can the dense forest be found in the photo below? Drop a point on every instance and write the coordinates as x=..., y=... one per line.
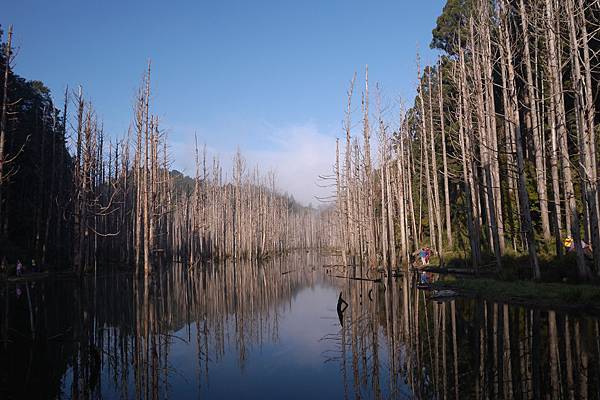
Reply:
x=496, y=158
x=74, y=196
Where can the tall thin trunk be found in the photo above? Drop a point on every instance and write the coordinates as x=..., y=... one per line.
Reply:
x=556, y=88
x=3, y=133
x=444, y=156
x=434, y=169
x=536, y=125
x=514, y=119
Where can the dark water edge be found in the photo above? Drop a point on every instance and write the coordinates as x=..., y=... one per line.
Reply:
x=273, y=331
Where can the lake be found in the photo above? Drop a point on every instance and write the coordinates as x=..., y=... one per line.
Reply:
x=273, y=330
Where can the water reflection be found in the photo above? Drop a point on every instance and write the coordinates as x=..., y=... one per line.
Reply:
x=463, y=348
x=283, y=329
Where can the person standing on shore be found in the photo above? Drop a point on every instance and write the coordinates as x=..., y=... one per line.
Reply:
x=423, y=255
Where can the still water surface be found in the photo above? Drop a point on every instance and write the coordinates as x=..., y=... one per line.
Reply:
x=273, y=331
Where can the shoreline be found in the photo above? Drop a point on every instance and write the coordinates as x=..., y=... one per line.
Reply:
x=544, y=295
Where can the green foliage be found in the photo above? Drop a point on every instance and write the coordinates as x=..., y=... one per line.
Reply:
x=572, y=294
x=39, y=87
x=563, y=269
x=454, y=15
x=546, y=250
x=514, y=267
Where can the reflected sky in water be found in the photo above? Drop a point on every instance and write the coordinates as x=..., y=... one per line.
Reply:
x=272, y=331
x=291, y=366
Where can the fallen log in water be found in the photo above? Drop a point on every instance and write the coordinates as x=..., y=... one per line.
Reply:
x=443, y=294
x=357, y=279
x=336, y=265
x=457, y=271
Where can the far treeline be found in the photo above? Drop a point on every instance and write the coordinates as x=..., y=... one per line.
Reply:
x=497, y=158
x=75, y=197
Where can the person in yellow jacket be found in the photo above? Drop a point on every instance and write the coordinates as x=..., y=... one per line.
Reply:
x=568, y=242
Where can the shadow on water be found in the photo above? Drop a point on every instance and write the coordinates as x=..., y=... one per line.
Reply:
x=282, y=329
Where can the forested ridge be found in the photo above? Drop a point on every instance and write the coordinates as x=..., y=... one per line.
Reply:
x=74, y=196
x=496, y=159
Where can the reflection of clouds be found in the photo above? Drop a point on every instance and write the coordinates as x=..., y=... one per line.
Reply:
x=289, y=367
x=305, y=324
x=303, y=320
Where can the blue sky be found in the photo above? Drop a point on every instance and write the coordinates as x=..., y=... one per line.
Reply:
x=269, y=76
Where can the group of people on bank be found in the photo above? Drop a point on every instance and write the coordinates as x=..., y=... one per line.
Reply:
x=20, y=268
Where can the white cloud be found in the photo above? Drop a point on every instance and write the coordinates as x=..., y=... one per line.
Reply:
x=297, y=153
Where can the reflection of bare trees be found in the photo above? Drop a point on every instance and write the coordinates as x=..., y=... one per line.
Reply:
x=115, y=336
x=399, y=344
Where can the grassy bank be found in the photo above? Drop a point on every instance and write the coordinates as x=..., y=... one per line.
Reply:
x=562, y=295
x=516, y=266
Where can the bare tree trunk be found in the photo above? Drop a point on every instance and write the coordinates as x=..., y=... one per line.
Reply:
x=467, y=161
x=514, y=120
x=585, y=134
x=3, y=156
x=536, y=125
x=146, y=178
x=425, y=156
x=369, y=212
x=556, y=92
x=434, y=169
x=444, y=157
